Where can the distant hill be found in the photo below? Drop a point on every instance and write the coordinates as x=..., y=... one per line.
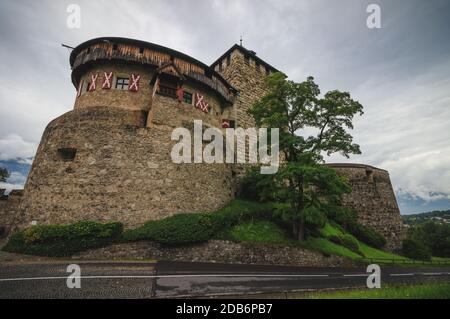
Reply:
x=438, y=216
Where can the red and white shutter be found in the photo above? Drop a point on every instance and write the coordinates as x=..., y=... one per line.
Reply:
x=226, y=124
x=198, y=100
x=134, y=87
x=201, y=103
x=93, y=84
x=107, y=80
x=180, y=94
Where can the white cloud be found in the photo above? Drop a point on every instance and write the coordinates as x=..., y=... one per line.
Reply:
x=14, y=147
x=15, y=181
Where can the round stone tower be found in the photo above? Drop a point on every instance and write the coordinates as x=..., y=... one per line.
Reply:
x=110, y=158
x=373, y=198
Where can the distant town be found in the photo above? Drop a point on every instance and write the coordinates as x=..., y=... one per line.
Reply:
x=436, y=216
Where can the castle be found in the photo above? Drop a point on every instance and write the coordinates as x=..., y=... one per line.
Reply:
x=109, y=158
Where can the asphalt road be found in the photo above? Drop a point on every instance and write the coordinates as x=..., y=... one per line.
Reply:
x=174, y=279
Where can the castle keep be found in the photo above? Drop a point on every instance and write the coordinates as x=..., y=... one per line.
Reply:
x=109, y=158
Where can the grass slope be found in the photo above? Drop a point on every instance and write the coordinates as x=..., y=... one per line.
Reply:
x=429, y=291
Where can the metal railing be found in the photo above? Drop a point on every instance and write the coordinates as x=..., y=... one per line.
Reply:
x=403, y=261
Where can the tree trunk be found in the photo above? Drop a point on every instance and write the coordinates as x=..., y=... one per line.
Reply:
x=301, y=231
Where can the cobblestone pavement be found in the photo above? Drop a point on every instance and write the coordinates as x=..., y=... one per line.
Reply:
x=99, y=280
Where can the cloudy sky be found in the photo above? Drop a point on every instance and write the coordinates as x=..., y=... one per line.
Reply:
x=400, y=73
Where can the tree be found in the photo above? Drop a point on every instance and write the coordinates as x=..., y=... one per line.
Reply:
x=309, y=126
x=4, y=174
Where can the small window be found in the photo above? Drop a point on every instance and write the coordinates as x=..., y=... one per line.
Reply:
x=187, y=97
x=228, y=60
x=232, y=124
x=220, y=66
x=168, y=88
x=115, y=47
x=85, y=87
x=67, y=154
x=369, y=175
x=122, y=83
x=141, y=50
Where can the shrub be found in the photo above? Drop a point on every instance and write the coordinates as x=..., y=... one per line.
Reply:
x=335, y=239
x=350, y=242
x=367, y=235
x=63, y=240
x=183, y=229
x=414, y=249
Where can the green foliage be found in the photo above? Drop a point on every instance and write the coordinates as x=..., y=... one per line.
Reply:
x=311, y=190
x=435, y=236
x=256, y=187
x=367, y=235
x=414, y=249
x=328, y=248
x=63, y=240
x=429, y=291
x=4, y=174
x=336, y=239
x=183, y=229
x=351, y=243
x=258, y=232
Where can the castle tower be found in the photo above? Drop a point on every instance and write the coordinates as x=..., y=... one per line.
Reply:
x=110, y=158
x=246, y=72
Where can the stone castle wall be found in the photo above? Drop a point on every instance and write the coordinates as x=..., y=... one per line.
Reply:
x=373, y=198
x=113, y=97
x=9, y=209
x=122, y=170
x=249, y=79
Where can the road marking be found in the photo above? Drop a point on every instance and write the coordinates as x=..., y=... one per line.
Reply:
x=356, y=275
x=395, y=275
x=155, y=276
x=432, y=274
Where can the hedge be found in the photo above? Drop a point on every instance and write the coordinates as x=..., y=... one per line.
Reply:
x=367, y=235
x=63, y=240
x=180, y=229
x=190, y=228
x=347, y=241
